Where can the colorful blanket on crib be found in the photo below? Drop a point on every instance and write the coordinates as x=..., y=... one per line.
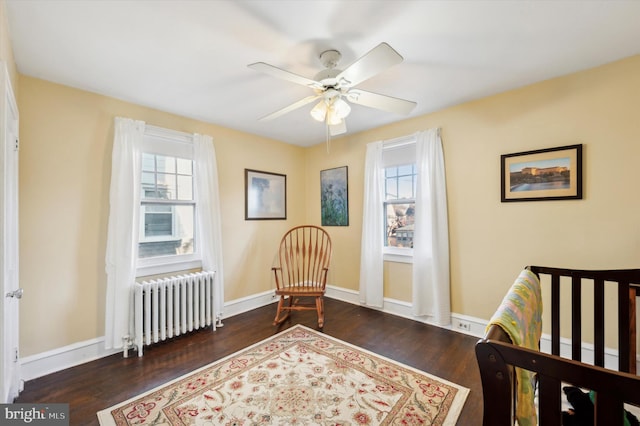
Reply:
x=520, y=316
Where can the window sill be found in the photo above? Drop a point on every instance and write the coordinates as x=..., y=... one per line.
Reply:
x=167, y=268
x=398, y=255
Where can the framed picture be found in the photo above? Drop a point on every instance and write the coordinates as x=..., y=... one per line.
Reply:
x=334, y=197
x=265, y=195
x=544, y=174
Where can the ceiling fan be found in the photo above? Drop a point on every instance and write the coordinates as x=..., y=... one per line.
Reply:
x=333, y=87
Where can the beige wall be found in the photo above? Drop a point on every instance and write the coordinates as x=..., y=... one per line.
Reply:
x=66, y=161
x=491, y=241
x=65, y=169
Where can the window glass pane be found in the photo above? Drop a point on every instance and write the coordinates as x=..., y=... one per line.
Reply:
x=391, y=189
x=405, y=170
x=185, y=166
x=168, y=230
x=148, y=179
x=158, y=221
x=148, y=162
x=399, y=223
x=185, y=187
x=165, y=164
x=166, y=186
x=391, y=171
x=405, y=187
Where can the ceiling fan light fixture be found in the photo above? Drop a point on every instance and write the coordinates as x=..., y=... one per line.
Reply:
x=319, y=112
x=340, y=108
x=332, y=118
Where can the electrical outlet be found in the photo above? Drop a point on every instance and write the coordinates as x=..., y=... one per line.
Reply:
x=464, y=325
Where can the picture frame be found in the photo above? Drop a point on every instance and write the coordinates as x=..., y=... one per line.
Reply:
x=543, y=174
x=265, y=195
x=334, y=196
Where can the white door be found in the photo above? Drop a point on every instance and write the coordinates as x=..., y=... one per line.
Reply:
x=9, y=282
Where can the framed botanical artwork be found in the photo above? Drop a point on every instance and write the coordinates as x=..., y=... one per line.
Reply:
x=265, y=195
x=543, y=174
x=334, y=197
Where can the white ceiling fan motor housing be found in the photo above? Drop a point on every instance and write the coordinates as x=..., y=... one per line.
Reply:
x=329, y=58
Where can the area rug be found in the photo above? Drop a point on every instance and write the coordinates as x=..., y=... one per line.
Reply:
x=297, y=377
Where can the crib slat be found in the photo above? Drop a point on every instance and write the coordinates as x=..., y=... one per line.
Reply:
x=598, y=321
x=576, y=318
x=549, y=401
x=624, y=327
x=633, y=349
x=555, y=314
x=607, y=410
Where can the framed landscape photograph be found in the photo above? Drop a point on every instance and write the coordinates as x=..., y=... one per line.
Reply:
x=544, y=174
x=265, y=195
x=334, y=197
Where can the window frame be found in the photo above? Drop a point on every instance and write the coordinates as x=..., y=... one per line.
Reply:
x=171, y=143
x=392, y=253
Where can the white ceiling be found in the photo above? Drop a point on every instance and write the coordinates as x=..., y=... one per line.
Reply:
x=190, y=57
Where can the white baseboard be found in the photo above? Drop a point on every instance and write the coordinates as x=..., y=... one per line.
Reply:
x=58, y=359
x=48, y=362
x=475, y=327
x=245, y=304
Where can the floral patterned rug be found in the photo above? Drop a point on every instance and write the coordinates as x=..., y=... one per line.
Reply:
x=297, y=377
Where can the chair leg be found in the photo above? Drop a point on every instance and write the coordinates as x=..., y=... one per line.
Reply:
x=279, y=319
x=320, y=309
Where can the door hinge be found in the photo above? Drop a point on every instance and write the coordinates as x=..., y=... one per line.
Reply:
x=16, y=355
x=17, y=146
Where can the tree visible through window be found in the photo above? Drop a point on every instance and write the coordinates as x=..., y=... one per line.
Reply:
x=399, y=205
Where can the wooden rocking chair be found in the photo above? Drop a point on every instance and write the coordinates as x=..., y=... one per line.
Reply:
x=301, y=271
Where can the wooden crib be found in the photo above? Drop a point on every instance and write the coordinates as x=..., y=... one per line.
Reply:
x=497, y=356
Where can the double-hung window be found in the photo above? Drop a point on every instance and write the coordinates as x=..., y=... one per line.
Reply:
x=167, y=240
x=398, y=207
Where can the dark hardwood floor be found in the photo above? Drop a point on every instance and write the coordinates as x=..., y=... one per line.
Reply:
x=91, y=387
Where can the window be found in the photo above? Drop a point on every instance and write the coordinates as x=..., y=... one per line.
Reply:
x=167, y=207
x=399, y=205
x=167, y=237
x=400, y=179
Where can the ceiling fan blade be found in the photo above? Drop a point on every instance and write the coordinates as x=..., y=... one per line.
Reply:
x=295, y=105
x=338, y=129
x=382, y=102
x=371, y=63
x=285, y=75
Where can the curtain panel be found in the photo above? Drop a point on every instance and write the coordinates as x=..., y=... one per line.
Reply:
x=209, y=224
x=122, y=234
x=372, y=260
x=431, y=283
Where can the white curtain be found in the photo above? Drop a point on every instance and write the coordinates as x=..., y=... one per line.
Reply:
x=372, y=261
x=122, y=234
x=431, y=295
x=209, y=223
